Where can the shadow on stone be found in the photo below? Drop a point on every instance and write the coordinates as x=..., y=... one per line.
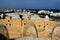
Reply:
x=2, y=37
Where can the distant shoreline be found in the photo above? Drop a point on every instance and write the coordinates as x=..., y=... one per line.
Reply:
x=54, y=10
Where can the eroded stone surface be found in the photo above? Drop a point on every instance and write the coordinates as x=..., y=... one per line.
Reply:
x=29, y=38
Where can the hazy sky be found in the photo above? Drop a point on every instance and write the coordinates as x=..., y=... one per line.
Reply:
x=30, y=4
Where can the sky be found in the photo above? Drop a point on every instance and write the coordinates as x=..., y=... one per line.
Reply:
x=29, y=4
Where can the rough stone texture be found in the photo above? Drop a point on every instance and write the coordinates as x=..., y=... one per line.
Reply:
x=29, y=38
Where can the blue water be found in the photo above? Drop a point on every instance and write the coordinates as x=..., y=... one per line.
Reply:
x=29, y=4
